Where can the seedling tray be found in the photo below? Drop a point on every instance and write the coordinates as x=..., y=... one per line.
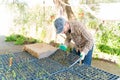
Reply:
x=64, y=58
x=27, y=67
x=93, y=73
x=66, y=75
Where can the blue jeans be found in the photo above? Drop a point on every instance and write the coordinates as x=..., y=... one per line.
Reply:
x=88, y=58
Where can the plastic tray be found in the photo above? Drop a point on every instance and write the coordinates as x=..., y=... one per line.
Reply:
x=93, y=73
x=27, y=67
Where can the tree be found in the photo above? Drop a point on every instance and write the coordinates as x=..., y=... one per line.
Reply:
x=65, y=7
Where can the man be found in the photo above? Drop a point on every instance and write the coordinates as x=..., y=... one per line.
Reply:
x=77, y=32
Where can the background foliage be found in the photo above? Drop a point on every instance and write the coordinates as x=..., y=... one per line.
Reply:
x=33, y=22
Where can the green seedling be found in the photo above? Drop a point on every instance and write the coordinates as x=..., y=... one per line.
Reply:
x=14, y=74
x=3, y=78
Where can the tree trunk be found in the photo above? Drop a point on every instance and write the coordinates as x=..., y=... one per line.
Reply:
x=66, y=8
x=69, y=11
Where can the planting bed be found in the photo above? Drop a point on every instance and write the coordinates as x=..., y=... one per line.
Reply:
x=26, y=67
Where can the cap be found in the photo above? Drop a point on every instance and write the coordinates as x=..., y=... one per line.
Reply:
x=59, y=24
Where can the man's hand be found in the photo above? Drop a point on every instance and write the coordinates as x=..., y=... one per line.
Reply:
x=63, y=47
x=82, y=55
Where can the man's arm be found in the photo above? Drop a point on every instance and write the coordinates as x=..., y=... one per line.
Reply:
x=89, y=39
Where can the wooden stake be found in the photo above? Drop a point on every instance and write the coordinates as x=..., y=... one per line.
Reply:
x=10, y=62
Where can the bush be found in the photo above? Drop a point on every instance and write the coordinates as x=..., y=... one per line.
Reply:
x=108, y=39
x=93, y=24
x=12, y=37
x=19, y=39
x=108, y=49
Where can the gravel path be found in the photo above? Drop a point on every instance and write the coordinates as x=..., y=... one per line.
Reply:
x=9, y=47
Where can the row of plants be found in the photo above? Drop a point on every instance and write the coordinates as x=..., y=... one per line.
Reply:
x=20, y=39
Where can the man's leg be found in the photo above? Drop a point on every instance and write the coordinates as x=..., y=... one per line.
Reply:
x=88, y=58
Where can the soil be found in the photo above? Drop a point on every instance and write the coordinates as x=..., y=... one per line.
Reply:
x=9, y=47
x=64, y=58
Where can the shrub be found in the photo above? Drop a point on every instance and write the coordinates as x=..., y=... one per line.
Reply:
x=108, y=49
x=12, y=37
x=19, y=39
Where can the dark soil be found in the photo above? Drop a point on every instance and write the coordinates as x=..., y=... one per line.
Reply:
x=64, y=58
